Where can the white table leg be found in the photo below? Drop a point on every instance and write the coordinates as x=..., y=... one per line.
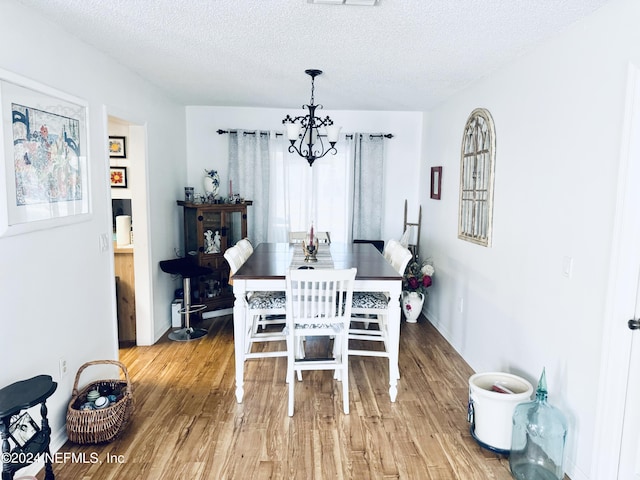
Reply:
x=239, y=330
x=394, y=340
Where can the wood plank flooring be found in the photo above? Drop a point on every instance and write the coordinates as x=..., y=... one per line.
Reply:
x=187, y=424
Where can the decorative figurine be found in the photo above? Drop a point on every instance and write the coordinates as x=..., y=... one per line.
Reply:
x=216, y=242
x=209, y=243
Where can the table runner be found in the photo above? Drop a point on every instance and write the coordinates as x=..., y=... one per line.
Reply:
x=323, y=256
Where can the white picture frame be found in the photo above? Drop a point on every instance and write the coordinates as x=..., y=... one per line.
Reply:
x=45, y=151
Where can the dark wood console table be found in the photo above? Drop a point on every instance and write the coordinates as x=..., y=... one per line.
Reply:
x=13, y=399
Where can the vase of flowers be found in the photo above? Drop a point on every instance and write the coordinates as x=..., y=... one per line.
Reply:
x=416, y=280
x=211, y=182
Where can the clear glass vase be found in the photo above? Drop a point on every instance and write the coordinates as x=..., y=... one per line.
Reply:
x=538, y=438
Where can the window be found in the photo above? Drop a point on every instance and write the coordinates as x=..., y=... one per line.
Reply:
x=476, y=178
x=300, y=194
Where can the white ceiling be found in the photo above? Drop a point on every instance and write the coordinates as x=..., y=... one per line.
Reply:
x=399, y=55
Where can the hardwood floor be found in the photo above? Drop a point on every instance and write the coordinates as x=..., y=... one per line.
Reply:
x=187, y=424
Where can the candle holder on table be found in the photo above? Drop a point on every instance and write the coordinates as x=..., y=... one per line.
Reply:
x=310, y=250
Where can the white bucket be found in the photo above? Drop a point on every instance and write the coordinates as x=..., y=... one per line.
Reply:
x=493, y=411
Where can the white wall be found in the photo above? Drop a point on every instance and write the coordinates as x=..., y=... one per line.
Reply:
x=57, y=294
x=208, y=149
x=558, y=114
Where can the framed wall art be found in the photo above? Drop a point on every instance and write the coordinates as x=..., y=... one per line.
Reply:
x=22, y=429
x=44, y=148
x=117, y=147
x=118, y=177
x=436, y=182
x=477, y=171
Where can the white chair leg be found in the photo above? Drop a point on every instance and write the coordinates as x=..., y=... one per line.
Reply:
x=337, y=354
x=300, y=354
x=345, y=391
x=291, y=385
x=290, y=369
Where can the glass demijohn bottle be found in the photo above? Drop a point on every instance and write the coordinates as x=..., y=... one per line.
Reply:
x=538, y=438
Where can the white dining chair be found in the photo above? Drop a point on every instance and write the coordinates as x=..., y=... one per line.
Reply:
x=318, y=305
x=298, y=237
x=265, y=313
x=371, y=308
x=245, y=247
x=389, y=248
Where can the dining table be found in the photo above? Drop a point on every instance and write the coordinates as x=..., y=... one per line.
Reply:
x=266, y=270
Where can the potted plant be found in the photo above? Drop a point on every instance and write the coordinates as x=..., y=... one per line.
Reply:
x=415, y=282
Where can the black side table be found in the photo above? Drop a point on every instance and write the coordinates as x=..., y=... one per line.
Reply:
x=13, y=399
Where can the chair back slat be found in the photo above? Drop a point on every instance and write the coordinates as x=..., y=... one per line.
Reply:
x=320, y=296
x=391, y=246
x=245, y=247
x=298, y=237
x=400, y=258
x=235, y=258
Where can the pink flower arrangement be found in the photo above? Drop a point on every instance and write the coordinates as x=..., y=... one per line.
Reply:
x=418, y=277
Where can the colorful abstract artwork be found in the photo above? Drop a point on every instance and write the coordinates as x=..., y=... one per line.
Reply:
x=46, y=156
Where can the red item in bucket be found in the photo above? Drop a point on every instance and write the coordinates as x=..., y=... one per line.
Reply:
x=496, y=387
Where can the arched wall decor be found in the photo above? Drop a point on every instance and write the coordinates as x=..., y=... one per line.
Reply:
x=477, y=164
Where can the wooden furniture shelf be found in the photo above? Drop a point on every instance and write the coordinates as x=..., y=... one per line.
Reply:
x=230, y=222
x=125, y=293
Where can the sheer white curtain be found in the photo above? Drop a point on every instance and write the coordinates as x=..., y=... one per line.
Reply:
x=301, y=195
x=249, y=170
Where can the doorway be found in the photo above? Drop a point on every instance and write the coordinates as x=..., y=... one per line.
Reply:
x=131, y=252
x=618, y=425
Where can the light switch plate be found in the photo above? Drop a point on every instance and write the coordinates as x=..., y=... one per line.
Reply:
x=567, y=266
x=103, y=240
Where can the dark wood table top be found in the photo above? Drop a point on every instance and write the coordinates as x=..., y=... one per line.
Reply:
x=272, y=260
x=25, y=393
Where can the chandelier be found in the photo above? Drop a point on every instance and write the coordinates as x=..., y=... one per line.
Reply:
x=310, y=144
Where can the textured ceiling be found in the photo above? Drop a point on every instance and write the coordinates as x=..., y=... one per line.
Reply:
x=399, y=55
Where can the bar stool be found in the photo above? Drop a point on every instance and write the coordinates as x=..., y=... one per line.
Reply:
x=187, y=270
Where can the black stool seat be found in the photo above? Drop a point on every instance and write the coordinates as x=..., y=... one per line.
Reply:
x=184, y=267
x=187, y=269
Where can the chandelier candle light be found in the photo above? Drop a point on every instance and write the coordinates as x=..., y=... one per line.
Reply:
x=310, y=145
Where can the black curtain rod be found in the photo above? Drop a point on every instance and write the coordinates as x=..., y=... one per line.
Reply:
x=385, y=135
x=220, y=131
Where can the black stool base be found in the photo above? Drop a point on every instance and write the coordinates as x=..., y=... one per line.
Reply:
x=187, y=334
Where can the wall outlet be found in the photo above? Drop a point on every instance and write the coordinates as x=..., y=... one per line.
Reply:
x=63, y=367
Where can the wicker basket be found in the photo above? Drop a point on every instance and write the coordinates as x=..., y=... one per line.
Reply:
x=100, y=425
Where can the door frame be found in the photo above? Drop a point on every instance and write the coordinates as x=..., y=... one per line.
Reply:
x=621, y=294
x=138, y=148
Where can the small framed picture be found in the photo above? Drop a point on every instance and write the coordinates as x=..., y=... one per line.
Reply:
x=22, y=429
x=436, y=182
x=117, y=147
x=118, y=177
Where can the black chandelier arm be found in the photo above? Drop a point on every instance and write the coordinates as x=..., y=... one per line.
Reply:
x=311, y=158
x=307, y=151
x=309, y=121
